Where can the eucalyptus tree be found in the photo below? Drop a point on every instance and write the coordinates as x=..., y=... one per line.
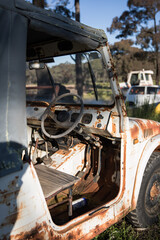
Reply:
x=140, y=20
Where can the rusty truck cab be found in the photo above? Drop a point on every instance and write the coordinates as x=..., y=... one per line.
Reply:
x=62, y=166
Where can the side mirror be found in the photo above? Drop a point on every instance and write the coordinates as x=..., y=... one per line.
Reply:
x=36, y=65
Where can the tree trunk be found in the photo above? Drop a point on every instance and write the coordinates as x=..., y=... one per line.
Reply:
x=79, y=78
x=157, y=69
x=39, y=3
x=77, y=10
x=156, y=53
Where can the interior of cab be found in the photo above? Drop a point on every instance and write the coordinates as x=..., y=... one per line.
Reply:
x=74, y=155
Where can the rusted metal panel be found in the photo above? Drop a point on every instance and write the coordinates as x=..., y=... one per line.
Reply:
x=18, y=204
x=86, y=230
x=69, y=161
x=143, y=129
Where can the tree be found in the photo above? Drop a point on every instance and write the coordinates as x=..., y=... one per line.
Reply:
x=129, y=58
x=62, y=8
x=79, y=78
x=135, y=21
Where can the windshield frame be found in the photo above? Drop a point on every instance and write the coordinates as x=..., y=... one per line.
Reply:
x=89, y=64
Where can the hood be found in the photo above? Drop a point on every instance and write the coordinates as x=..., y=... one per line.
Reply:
x=142, y=129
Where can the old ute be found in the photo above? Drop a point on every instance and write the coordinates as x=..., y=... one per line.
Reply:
x=72, y=163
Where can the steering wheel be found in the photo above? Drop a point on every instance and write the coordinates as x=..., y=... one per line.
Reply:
x=64, y=124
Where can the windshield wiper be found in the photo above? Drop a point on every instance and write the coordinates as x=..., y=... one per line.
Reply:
x=92, y=77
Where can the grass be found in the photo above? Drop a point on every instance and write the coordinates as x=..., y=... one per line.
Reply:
x=146, y=111
x=124, y=231
x=118, y=231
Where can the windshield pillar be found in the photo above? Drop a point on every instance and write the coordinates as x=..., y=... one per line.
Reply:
x=118, y=97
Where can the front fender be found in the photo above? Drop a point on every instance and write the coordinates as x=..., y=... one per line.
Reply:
x=150, y=147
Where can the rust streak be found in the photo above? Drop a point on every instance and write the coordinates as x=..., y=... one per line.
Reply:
x=134, y=132
x=149, y=128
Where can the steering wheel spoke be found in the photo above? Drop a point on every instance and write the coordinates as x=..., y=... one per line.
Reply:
x=64, y=120
x=52, y=115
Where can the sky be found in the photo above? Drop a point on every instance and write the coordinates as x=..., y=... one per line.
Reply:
x=99, y=13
